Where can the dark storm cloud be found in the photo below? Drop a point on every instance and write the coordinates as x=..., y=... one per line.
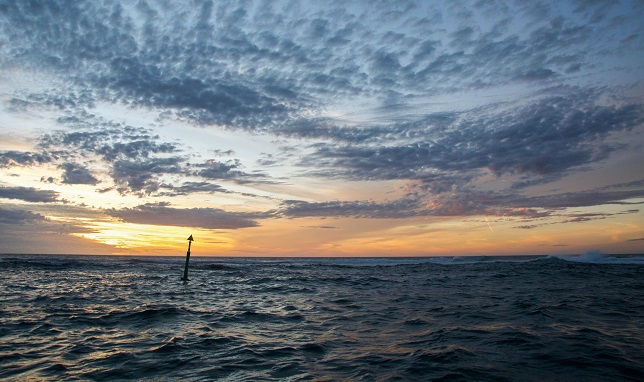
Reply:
x=209, y=218
x=18, y=217
x=29, y=194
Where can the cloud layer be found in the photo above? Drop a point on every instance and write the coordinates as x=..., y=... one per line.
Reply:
x=448, y=100
x=163, y=214
x=28, y=194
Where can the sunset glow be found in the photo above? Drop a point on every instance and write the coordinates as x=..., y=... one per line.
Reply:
x=305, y=129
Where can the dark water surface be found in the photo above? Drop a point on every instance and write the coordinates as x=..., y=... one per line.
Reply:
x=116, y=318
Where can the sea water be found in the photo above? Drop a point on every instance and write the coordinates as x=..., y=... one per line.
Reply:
x=242, y=319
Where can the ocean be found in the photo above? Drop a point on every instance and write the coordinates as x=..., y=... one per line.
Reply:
x=101, y=318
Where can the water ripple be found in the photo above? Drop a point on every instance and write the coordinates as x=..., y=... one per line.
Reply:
x=99, y=318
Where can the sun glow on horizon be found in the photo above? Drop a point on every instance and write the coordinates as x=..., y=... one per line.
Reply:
x=156, y=239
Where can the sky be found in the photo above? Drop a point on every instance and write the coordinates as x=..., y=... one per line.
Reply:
x=334, y=128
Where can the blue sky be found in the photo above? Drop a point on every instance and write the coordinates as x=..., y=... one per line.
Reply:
x=330, y=128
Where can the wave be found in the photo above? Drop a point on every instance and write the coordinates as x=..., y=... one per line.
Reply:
x=50, y=262
x=596, y=257
x=593, y=257
x=450, y=318
x=242, y=264
x=368, y=261
x=401, y=261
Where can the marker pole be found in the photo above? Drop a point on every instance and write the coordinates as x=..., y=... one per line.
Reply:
x=185, y=269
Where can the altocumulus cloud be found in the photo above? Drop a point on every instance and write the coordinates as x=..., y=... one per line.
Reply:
x=265, y=66
x=545, y=138
x=135, y=158
x=299, y=70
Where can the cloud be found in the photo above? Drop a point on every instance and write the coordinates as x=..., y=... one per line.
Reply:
x=142, y=176
x=354, y=209
x=321, y=227
x=367, y=94
x=261, y=67
x=228, y=170
x=544, y=138
x=104, y=52
x=13, y=158
x=192, y=187
x=19, y=217
x=109, y=140
x=77, y=174
x=29, y=194
x=138, y=160
x=208, y=218
x=579, y=199
x=469, y=203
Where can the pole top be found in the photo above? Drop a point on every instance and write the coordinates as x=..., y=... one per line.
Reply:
x=190, y=238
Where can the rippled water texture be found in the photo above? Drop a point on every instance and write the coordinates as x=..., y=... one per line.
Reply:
x=100, y=318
